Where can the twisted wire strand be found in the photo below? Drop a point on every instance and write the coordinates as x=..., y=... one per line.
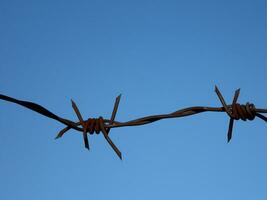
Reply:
x=235, y=111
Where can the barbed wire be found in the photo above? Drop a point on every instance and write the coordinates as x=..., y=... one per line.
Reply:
x=235, y=111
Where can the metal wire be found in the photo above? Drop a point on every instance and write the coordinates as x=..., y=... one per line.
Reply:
x=235, y=111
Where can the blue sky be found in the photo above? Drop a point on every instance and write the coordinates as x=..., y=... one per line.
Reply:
x=161, y=56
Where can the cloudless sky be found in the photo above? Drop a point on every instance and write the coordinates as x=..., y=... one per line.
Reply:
x=161, y=56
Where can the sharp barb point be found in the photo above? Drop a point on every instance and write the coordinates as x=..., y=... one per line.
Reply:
x=72, y=101
x=229, y=137
x=230, y=130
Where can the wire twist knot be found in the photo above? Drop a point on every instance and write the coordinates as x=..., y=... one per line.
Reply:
x=94, y=125
x=243, y=112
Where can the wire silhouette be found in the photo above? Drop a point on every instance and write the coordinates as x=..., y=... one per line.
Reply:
x=235, y=111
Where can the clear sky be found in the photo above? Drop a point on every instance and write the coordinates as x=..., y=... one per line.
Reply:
x=161, y=56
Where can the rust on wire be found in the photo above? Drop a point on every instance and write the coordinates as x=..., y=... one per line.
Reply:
x=235, y=111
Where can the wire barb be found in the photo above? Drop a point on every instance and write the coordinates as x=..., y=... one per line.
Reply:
x=84, y=124
x=97, y=125
x=235, y=111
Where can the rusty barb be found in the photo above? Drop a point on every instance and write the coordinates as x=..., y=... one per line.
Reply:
x=98, y=125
